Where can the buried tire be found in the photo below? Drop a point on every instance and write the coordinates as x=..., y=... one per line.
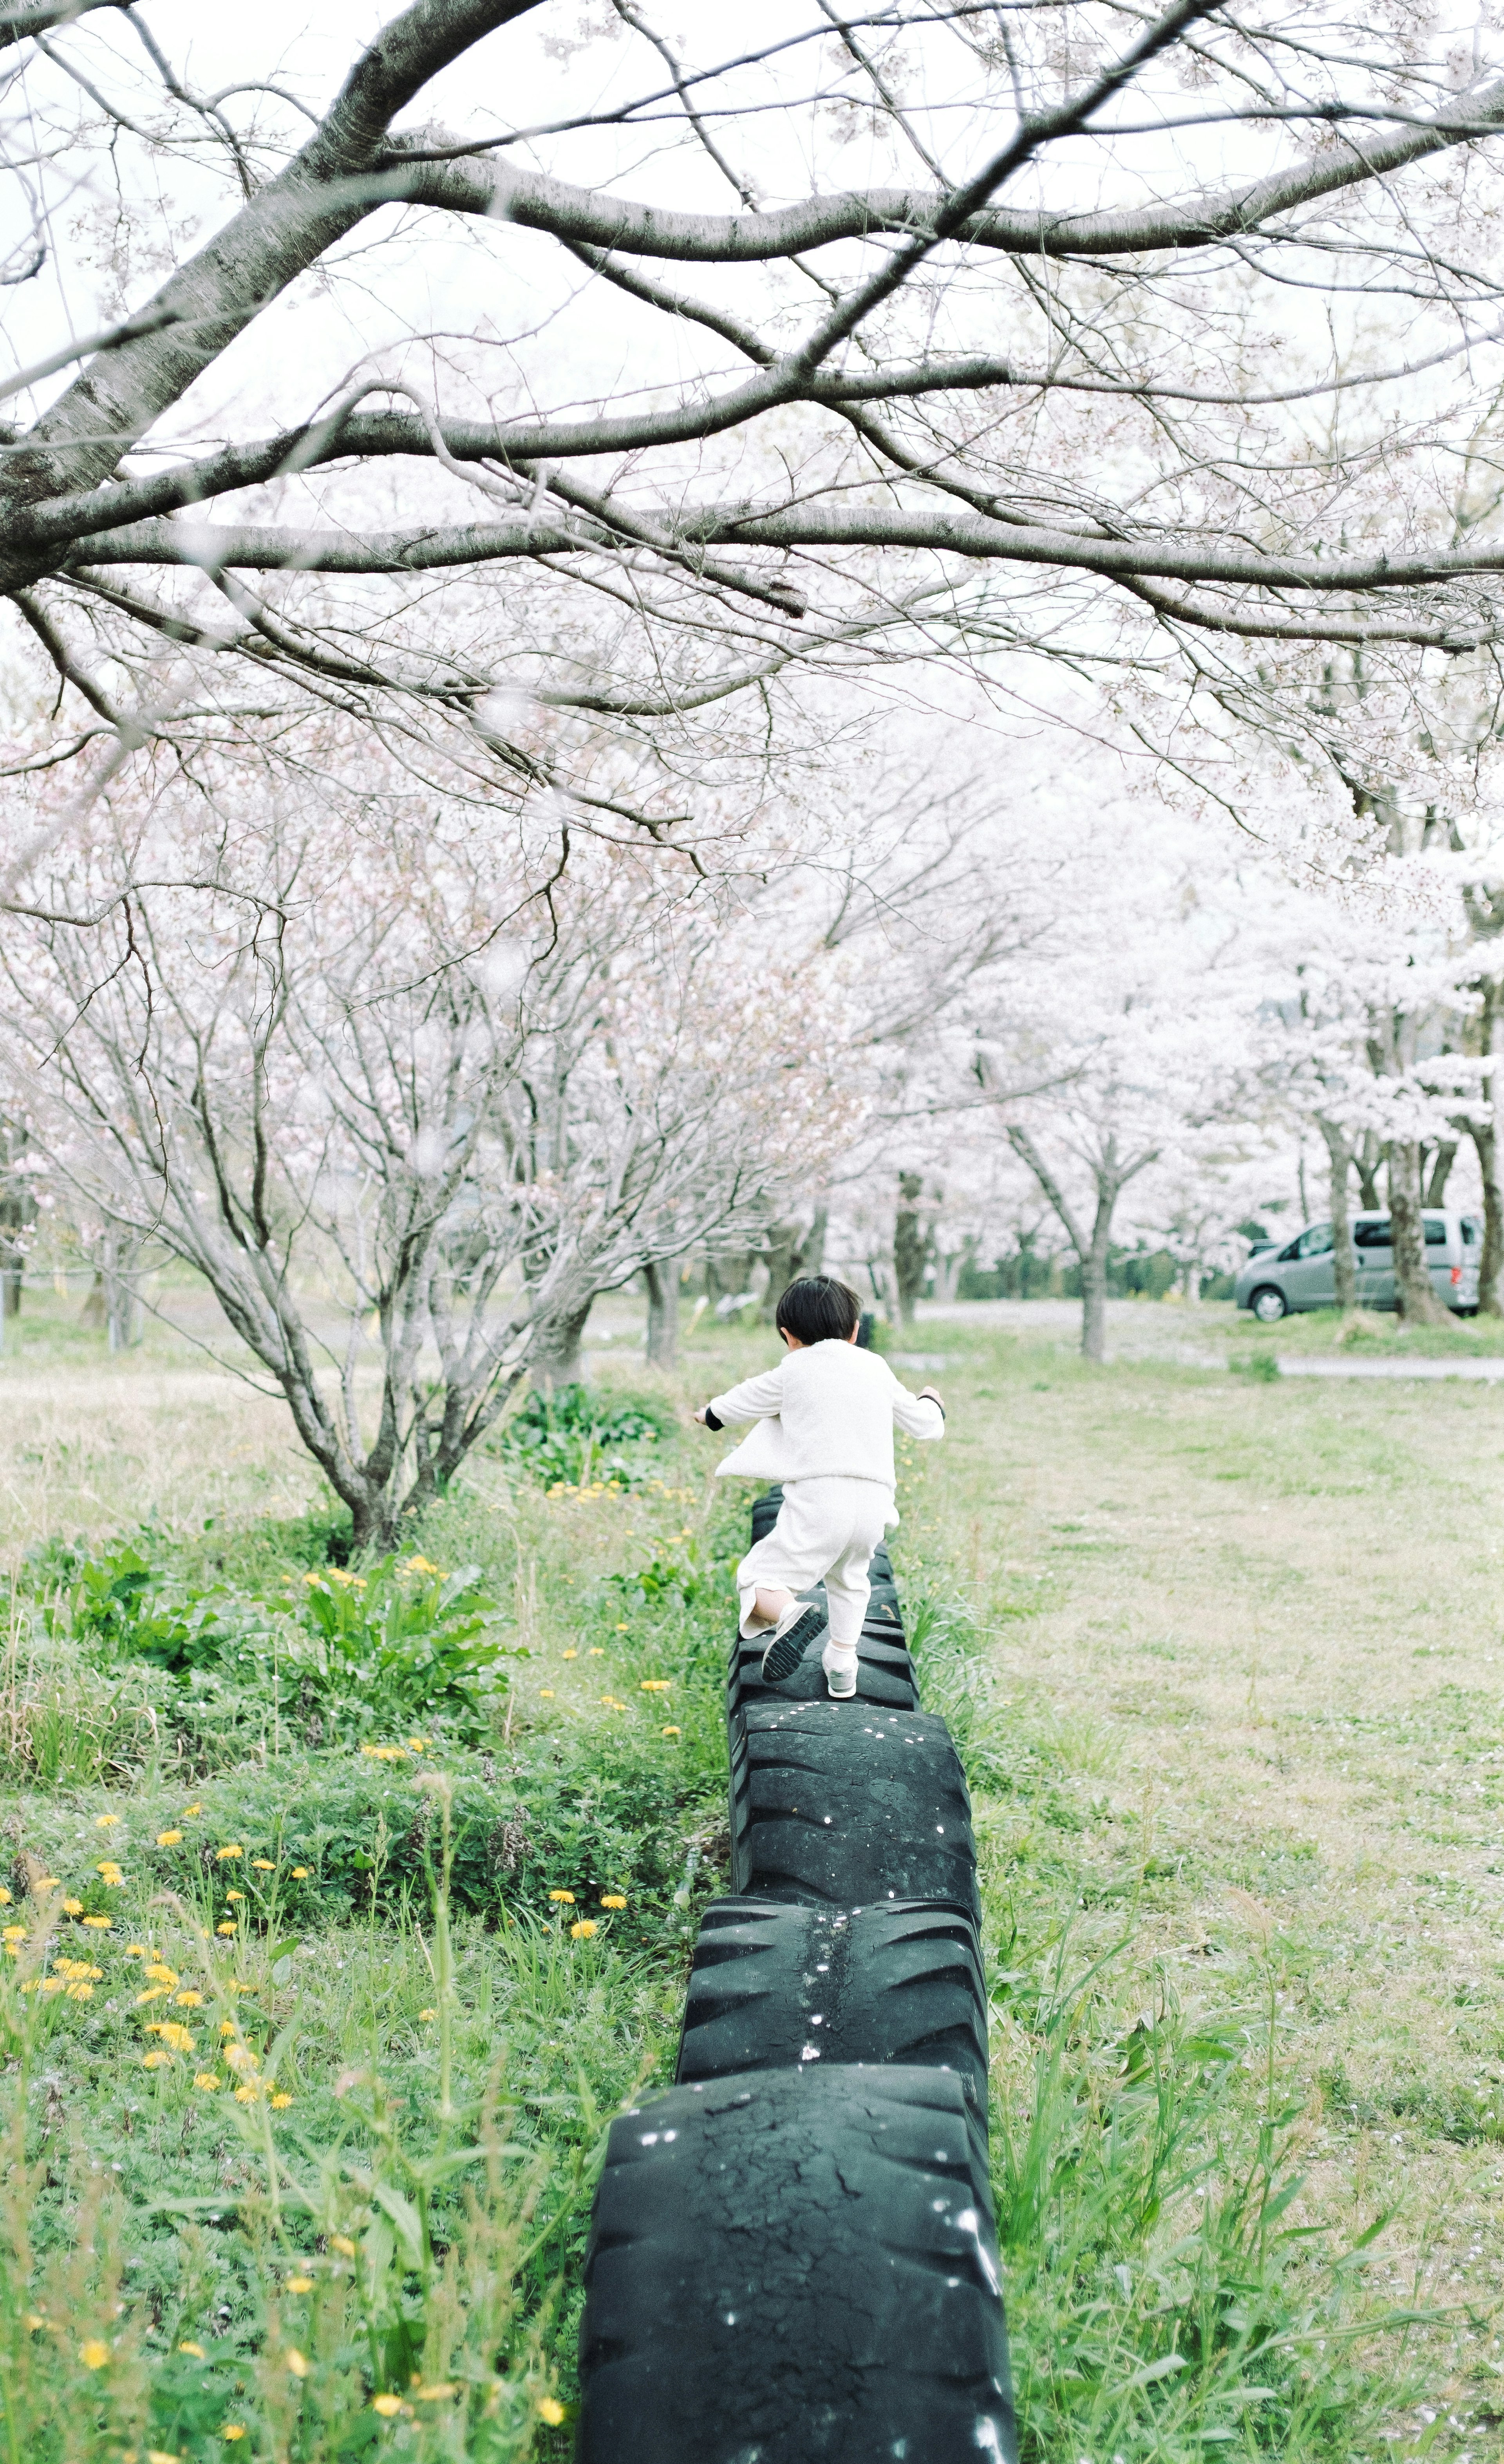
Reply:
x=795, y=2267
x=846, y=1805
x=778, y=1986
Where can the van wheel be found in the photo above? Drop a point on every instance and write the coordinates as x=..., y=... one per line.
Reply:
x=1269, y=1305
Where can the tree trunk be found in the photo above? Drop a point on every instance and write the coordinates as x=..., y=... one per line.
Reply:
x=662, y=1279
x=1442, y=1161
x=1093, y=1301
x=1414, y=1298
x=910, y=1246
x=554, y=1357
x=1485, y=1137
x=1366, y=1160
x=791, y=1253
x=1344, y=1270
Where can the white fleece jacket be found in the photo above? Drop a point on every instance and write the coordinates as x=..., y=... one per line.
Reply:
x=826, y=1410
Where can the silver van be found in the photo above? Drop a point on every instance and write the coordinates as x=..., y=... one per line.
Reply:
x=1300, y=1275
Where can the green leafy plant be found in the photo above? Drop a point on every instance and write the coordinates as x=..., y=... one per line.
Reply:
x=405, y=1642
x=573, y=1439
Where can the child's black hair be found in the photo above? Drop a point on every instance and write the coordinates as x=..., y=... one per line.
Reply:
x=820, y=1309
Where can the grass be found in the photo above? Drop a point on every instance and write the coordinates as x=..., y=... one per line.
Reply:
x=1222, y=1659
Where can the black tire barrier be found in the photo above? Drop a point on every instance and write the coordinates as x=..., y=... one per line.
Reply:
x=795, y=2267
x=775, y=1987
x=846, y=1805
x=792, y=2254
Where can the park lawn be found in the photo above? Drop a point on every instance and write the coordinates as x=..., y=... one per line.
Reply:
x=1224, y=1658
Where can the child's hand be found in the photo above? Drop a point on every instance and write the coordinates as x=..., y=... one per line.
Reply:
x=929, y=1392
x=699, y=1416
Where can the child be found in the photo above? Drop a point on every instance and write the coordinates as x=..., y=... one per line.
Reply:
x=826, y=1418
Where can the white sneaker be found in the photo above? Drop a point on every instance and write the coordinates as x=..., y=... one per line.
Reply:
x=840, y=1672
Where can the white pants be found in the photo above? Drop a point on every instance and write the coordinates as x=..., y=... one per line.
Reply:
x=825, y=1532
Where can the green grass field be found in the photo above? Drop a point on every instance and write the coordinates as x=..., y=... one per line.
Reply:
x=1224, y=1656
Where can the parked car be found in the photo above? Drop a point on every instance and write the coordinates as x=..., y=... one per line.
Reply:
x=1301, y=1276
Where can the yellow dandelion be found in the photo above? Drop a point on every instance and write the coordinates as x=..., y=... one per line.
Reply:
x=80, y=1992
x=621, y=1629
x=168, y=1838
x=435, y=2394
x=248, y=2094
x=551, y=2411
x=226, y=2027
x=388, y=2406
x=614, y=1900
x=162, y=1974
x=280, y=2102
x=95, y=2355
x=48, y=1883
x=188, y=1999
x=263, y=1864
x=154, y=1993
x=299, y=2285
x=226, y=1928
x=234, y=2430
x=188, y=1811
x=157, y=2061
x=342, y=2243
x=428, y=2015
x=101, y=1925
x=222, y=1856
x=671, y=1732
x=655, y=1684
x=572, y=1655
x=296, y=2362
x=208, y=2080
x=137, y=1950
x=34, y=2319
x=240, y=2058
x=299, y=1873
x=546, y=1694
x=563, y=1899
x=105, y=1821
x=597, y=1651
x=5, y=1897
x=197, y=2350
x=110, y=1871
x=582, y=1930
x=13, y=1933
x=72, y=1907
x=419, y=1745
x=236, y=1899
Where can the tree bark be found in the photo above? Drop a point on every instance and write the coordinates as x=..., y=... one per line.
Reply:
x=1484, y=1133
x=1344, y=1269
x=791, y=1253
x=555, y=1360
x=1366, y=1160
x=661, y=1277
x=911, y=1245
x=1442, y=1161
x=1414, y=1298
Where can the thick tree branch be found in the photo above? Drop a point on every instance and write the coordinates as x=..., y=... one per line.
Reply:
x=942, y=530
x=588, y=217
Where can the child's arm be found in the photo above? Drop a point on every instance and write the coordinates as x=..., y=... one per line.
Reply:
x=918, y=1416
x=756, y=1399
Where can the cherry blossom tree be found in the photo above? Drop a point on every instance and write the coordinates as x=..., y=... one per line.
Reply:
x=403, y=1095
x=553, y=398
